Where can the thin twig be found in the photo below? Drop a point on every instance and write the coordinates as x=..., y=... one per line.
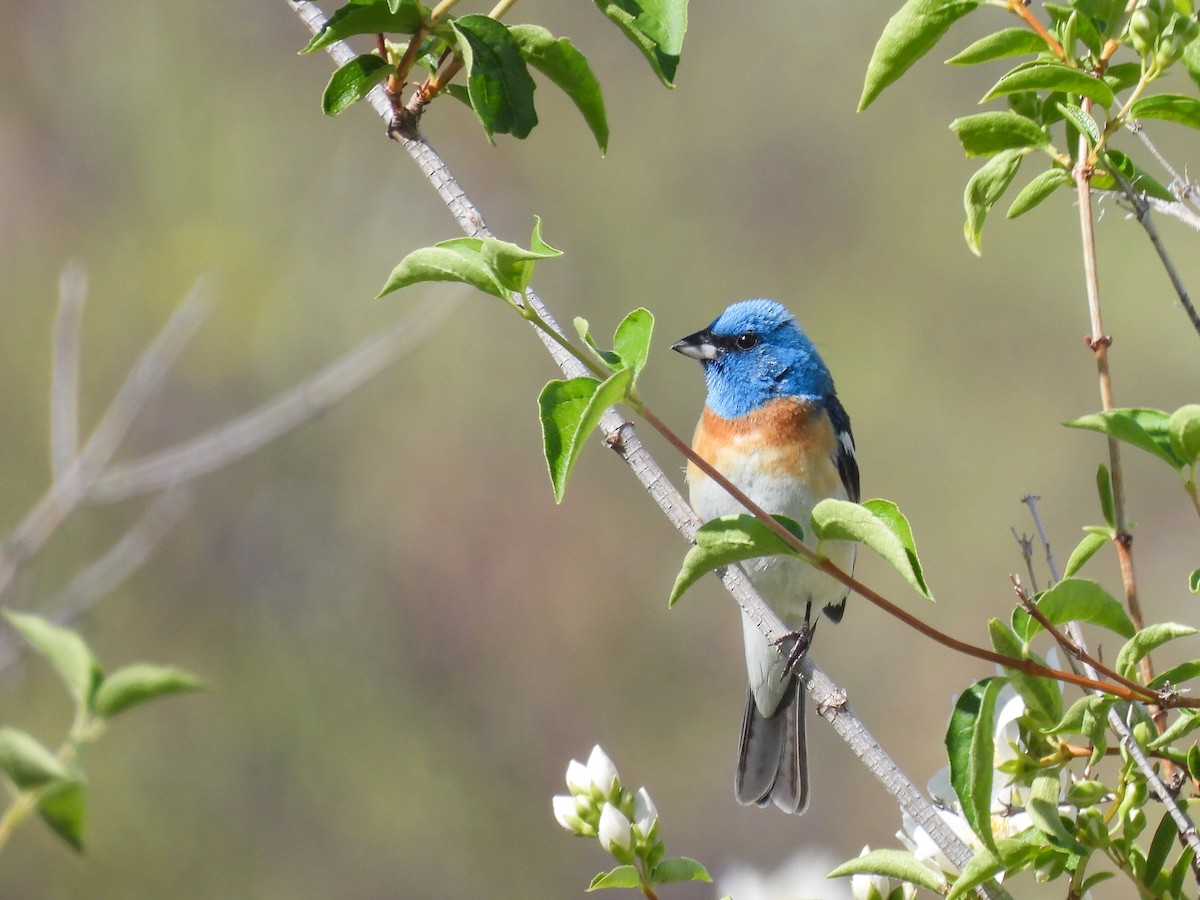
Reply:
x=1141, y=212
x=64, y=371
x=241, y=436
x=125, y=557
x=1025, y=543
x=68, y=490
x=1031, y=500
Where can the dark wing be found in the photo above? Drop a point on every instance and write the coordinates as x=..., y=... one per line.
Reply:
x=844, y=458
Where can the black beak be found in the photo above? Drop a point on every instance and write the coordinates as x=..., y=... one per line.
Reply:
x=699, y=346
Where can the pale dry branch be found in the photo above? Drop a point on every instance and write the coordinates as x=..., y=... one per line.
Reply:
x=64, y=373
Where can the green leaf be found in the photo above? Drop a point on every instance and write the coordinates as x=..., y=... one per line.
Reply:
x=27, y=762
x=459, y=259
x=569, y=411
x=559, y=61
x=1042, y=696
x=1122, y=76
x=986, y=133
x=1042, y=807
x=1191, y=61
x=137, y=683
x=498, y=81
x=899, y=864
x=1083, y=121
x=679, y=868
x=1138, y=178
x=368, y=17
x=1194, y=581
x=971, y=746
x=1183, y=431
x=1146, y=429
x=656, y=27
x=1087, y=716
x=64, y=808
x=620, y=877
x=1052, y=76
x=984, y=189
x=1006, y=42
x=1184, y=724
x=66, y=652
x=1176, y=675
x=1160, y=849
x=727, y=540
x=511, y=264
x=878, y=524
x=1183, y=865
x=911, y=33
x=981, y=868
x=1075, y=600
x=608, y=357
x=1084, y=550
x=1038, y=189
x=1169, y=107
x=353, y=81
x=1104, y=489
x=632, y=339
x=1146, y=641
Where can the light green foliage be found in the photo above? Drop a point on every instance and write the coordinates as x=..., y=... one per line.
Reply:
x=727, y=540
x=353, y=81
x=48, y=781
x=498, y=83
x=970, y=740
x=877, y=524
x=1067, y=73
x=1075, y=600
x=891, y=864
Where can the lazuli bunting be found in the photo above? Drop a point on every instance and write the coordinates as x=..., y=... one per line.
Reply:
x=773, y=425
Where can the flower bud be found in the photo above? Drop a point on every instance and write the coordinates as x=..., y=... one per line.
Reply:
x=1143, y=30
x=603, y=774
x=567, y=814
x=578, y=781
x=645, y=815
x=614, y=830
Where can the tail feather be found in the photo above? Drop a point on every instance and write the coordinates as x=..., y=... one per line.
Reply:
x=772, y=754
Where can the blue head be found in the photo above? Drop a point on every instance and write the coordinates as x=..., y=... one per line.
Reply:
x=753, y=353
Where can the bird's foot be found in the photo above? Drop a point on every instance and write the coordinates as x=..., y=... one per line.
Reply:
x=799, y=640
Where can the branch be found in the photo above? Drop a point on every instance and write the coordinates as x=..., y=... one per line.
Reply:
x=620, y=435
x=241, y=436
x=64, y=373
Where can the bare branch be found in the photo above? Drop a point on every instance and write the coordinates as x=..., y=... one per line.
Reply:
x=123, y=559
x=290, y=409
x=64, y=373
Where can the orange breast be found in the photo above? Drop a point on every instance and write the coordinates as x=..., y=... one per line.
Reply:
x=787, y=437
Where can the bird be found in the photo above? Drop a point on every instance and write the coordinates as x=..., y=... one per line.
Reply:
x=773, y=425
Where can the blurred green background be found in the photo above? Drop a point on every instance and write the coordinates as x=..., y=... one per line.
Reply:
x=406, y=640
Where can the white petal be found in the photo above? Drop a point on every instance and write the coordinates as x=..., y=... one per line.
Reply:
x=614, y=829
x=602, y=772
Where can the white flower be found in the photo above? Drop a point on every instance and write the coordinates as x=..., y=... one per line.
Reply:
x=566, y=813
x=645, y=815
x=578, y=781
x=614, y=830
x=603, y=774
x=921, y=845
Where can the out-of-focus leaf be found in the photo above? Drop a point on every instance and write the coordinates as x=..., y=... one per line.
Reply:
x=1038, y=189
x=137, y=683
x=1084, y=550
x=986, y=186
x=1006, y=42
x=1052, y=76
x=64, y=808
x=676, y=869
x=986, y=133
x=66, y=652
x=27, y=762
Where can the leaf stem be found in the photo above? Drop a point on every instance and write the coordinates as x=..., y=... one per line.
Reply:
x=1021, y=10
x=439, y=12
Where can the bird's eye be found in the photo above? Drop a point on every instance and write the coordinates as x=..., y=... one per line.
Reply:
x=746, y=340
